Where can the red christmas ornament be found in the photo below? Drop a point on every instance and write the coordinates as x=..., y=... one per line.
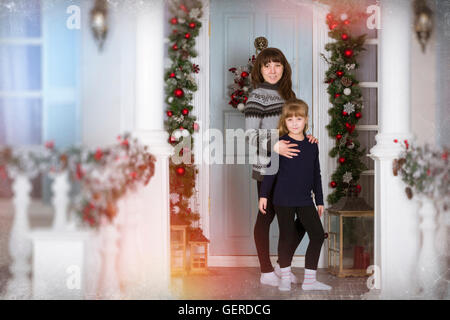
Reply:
x=183, y=7
x=348, y=53
x=244, y=74
x=98, y=154
x=339, y=136
x=196, y=127
x=175, y=47
x=339, y=73
x=180, y=171
x=187, y=35
x=185, y=112
x=174, y=21
x=179, y=93
x=172, y=75
x=192, y=25
x=169, y=113
x=341, y=159
x=49, y=144
x=337, y=95
x=347, y=22
x=329, y=16
x=395, y=140
x=358, y=188
x=344, y=36
x=344, y=113
x=333, y=25
x=333, y=184
x=358, y=115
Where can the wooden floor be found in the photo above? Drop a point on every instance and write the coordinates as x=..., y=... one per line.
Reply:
x=243, y=284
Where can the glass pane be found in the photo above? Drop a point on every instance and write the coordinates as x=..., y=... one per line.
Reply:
x=367, y=189
x=361, y=27
x=367, y=141
x=367, y=71
x=20, y=121
x=358, y=242
x=20, y=19
x=20, y=67
x=370, y=110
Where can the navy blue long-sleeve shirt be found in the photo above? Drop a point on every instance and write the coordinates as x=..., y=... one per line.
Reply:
x=296, y=177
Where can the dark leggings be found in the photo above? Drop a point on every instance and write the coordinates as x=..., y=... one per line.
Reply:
x=261, y=234
x=288, y=234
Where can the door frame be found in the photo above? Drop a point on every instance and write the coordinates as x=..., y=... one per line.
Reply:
x=320, y=107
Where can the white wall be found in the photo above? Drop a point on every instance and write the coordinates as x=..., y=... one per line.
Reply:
x=423, y=90
x=107, y=78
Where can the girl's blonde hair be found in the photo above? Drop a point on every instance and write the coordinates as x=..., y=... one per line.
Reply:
x=293, y=108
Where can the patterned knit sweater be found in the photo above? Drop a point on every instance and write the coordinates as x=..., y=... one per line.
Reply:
x=262, y=111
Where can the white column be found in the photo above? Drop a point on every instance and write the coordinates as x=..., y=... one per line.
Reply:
x=19, y=286
x=396, y=228
x=149, y=129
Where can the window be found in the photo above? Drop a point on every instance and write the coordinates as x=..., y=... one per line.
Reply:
x=39, y=62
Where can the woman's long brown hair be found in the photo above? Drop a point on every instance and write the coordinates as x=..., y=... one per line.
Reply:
x=293, y=108
x=274, y=55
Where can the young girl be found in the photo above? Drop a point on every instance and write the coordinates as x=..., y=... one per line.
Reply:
x=271, y=78
x=295, y=180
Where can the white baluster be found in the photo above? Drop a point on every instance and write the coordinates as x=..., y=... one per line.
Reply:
x=19, y=287
x=130, y=264
x=109, y=287
x=60, y=200
x=428, y=265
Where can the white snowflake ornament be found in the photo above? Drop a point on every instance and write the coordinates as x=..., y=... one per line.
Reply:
x=347, y=177
x=349, y=107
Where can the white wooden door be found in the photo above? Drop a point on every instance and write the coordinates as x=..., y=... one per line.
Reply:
x=234, y=25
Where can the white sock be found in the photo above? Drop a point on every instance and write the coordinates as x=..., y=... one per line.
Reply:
x=310, y=282
x=285, y=281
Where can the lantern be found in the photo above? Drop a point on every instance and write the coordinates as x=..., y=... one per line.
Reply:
x=178, y=236
x=198, y=244
x=350, y=236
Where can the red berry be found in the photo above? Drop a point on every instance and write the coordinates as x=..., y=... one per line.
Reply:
x=174, y=21
x=169, y=113
x=172, y=75
x=341, y=159
x=358, y=115
x=185, y=111
x=339, y=136
x=187, y=35
x=192, y=25
x=344, y=36
x=175, y=47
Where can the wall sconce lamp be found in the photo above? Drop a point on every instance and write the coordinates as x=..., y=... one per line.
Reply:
x=99, y=22
x=423, y=23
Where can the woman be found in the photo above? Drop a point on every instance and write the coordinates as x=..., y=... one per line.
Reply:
x=271, y=79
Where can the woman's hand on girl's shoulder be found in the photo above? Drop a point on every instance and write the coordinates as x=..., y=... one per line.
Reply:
x=286, y=149
x=312, y=139
x=262, y=205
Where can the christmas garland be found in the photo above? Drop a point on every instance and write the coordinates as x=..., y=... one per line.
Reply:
x=105, y=174
x=426, y=171
x=179, y=89
x=241, y=88
x=345, y=95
